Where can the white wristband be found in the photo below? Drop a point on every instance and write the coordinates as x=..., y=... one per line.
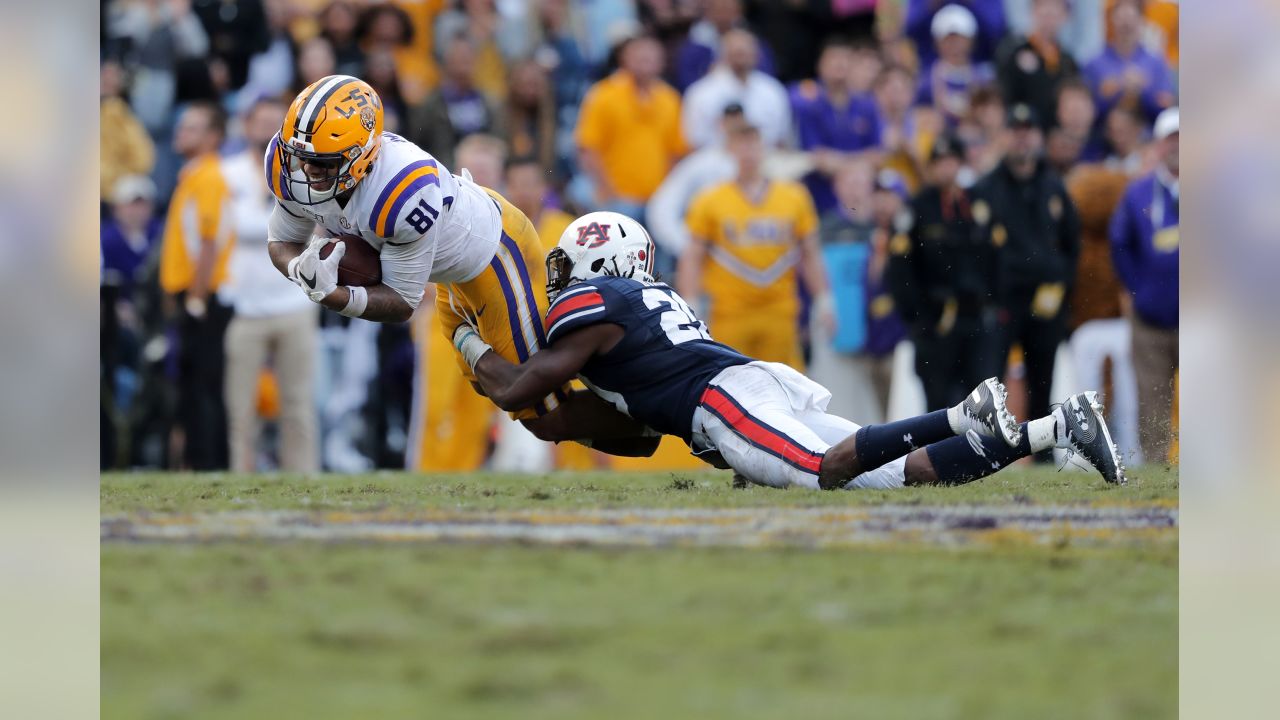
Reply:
x=358, y=301
x=471, y=347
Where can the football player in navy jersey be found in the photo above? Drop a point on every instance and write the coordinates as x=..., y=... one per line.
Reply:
x=638, y=345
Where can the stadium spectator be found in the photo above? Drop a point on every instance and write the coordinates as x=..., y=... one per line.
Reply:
x=237, y=31
x=388, y=27
x=193, y=264
x=748, y=237
x=130, y=234
x=949, y=82
x=865, y=64
x=1070, y=138
x=380, y=72
x=274, y=325
x=129, y=237
x=339, y=23
x=867, y=331
x=485, y=24
x=669, y=22
x=833, y=122
x=601, y=26
x=457, y=108
x=885, y=329
x=1123, y=131
x=1034, y=222
x=851, y=220
x=484, y=156
x=531, y=114
x=989, y=16
x=271, y=71
x=315, y=60
x=125, y=147
x=526, y=187
x=1082, y=33
x=983, y=133
x=702, y=48
x=907, y=132
x=1031, y=67
x=1078, y=119
x=735, y=80
x=1162, y=21
x=1144, y=247
x=1061, y=150
x=628, y=132
x=560, y=53
x=1126, y=73
x=943, y=273
x=889, y=32
x=158, y=37
x=707, y=166
x=1100, y=338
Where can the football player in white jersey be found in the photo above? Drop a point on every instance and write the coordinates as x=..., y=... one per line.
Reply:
x=334, y=171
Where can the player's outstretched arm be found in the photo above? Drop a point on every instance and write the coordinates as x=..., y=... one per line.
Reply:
x=515, y=387
x=382, y=303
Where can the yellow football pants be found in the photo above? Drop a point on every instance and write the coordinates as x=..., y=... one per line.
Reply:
x=507, y=301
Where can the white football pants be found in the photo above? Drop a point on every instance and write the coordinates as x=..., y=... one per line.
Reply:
x=770, y=424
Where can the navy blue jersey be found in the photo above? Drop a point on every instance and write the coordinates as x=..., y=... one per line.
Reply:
x=658, y=371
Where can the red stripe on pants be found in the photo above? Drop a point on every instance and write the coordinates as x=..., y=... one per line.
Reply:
x=759, y=434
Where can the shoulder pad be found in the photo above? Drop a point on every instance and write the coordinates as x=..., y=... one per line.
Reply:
x=576, y=306
x=393, y=196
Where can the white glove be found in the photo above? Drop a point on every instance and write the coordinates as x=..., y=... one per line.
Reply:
x=317, y=277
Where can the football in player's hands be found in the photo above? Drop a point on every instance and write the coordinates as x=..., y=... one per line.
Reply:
x=361, y=265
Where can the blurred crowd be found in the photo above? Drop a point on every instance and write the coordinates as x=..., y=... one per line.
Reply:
x=900, y=197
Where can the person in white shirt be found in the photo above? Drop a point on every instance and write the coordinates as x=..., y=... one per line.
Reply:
x=274, y=324
x=736, y=79
x=697, y=171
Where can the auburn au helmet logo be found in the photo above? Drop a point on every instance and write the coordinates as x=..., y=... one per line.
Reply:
x=593, y=235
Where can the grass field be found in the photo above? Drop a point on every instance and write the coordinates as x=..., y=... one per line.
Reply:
x=254, y=629
x=564, y=490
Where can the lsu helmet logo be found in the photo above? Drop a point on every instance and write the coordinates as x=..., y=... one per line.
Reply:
x=593, y=235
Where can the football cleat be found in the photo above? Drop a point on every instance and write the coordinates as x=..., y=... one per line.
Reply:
x=1082, y=430
x=984, y=411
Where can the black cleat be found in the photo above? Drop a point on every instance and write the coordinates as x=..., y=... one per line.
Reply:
x=1083, y=431
x=984, y=411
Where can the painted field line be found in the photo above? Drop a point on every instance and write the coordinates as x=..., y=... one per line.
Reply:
x=748, y=527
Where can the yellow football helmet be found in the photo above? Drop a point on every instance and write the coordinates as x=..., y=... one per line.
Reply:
x=335, y=125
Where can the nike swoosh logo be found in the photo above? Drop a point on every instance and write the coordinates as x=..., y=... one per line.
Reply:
x=310, y=281
x=481, y=311
x=397, y=244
